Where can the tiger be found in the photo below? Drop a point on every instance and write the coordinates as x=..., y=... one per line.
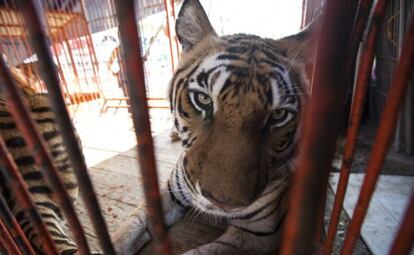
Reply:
x=47, y=207
x=236, y=102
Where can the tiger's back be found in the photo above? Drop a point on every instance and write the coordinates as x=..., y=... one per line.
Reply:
x=42, y=114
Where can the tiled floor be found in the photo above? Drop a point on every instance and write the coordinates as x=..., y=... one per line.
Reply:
x=386, y=209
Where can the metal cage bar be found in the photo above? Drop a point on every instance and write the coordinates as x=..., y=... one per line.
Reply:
x=15, y=230
x=42, y=157
x=317, y=145
x=8, y=241
x=405, y=237
x=13, y=176
x=39, y=44
x=360, y=20
x=383, y=138
x=366, y=57
x=136, y=85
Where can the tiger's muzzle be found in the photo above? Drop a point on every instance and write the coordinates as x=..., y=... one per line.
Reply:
x=229, y=168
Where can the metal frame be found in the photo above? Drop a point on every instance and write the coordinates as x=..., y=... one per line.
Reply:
x=342, y=25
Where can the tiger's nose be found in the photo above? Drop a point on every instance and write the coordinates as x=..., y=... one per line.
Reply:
x=223, y=202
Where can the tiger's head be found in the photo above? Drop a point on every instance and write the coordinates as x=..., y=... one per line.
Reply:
x=236, y=102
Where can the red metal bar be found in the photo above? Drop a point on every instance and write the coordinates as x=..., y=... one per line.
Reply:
x=320, y=234
x=175, y=37
x=8, y=241
x=14, y=178
x=136, y=85
x=15, y=230
x=360, y=24
x=39, y=43
x=366, y=57
x=42, y=156
x=383, y=138
x=320, y=128
x=405, y=237
x=170, y=40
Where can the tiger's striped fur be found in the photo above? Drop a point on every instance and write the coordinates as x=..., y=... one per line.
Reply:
x=41, y=194
x=236, y=101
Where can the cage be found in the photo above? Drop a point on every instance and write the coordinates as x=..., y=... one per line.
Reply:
x=51, y=46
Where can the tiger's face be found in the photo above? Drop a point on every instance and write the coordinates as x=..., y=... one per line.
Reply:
x=236, y=102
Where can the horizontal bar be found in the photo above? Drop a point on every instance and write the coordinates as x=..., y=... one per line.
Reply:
x=14, y=178
x=366, y=57
x=320, y=128
x=15, y=230
x=136, y=85
x=383, y=137
x=8, y=241
x=39, y=43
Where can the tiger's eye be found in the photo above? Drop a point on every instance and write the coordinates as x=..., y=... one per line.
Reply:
x=203, y=99
x=279, y=114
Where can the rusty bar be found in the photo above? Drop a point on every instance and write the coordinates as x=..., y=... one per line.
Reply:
x=317, y=145
x=63, y=46
x=42, y=157
x=8, y=241
x=136, y=85
x=39, y=43
x=74, y=66
x=77, y=32
x=177, y=46
x=366, y=57
x=168, y=17
x=405, y=237
x=54, y=41
x=90, y=51
x=14, y=178
x=361, y=18
x=383, y=137
x=320, y=234
x=360, y=24
x=15, y=230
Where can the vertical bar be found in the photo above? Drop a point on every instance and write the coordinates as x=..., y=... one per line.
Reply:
x=167, y=12
x=8, y=241
x=320, y=128
x=360, y=24
x=303, y=16
x=15, y=230
x=405, y=237
x=136, y=85
x=74, y=66
x=39, y=43
x=175, y=37
x=383, y=138
x=366, y=57
x=14, y=178
x=42, y=156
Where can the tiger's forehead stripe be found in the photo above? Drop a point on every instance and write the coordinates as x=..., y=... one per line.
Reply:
x=211, y=74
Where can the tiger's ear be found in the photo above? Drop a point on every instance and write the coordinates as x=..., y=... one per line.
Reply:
x=192, y=25
x=301, y=46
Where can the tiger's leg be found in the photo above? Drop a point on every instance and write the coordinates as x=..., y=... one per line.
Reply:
x=259, y=233
x=133, y=234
